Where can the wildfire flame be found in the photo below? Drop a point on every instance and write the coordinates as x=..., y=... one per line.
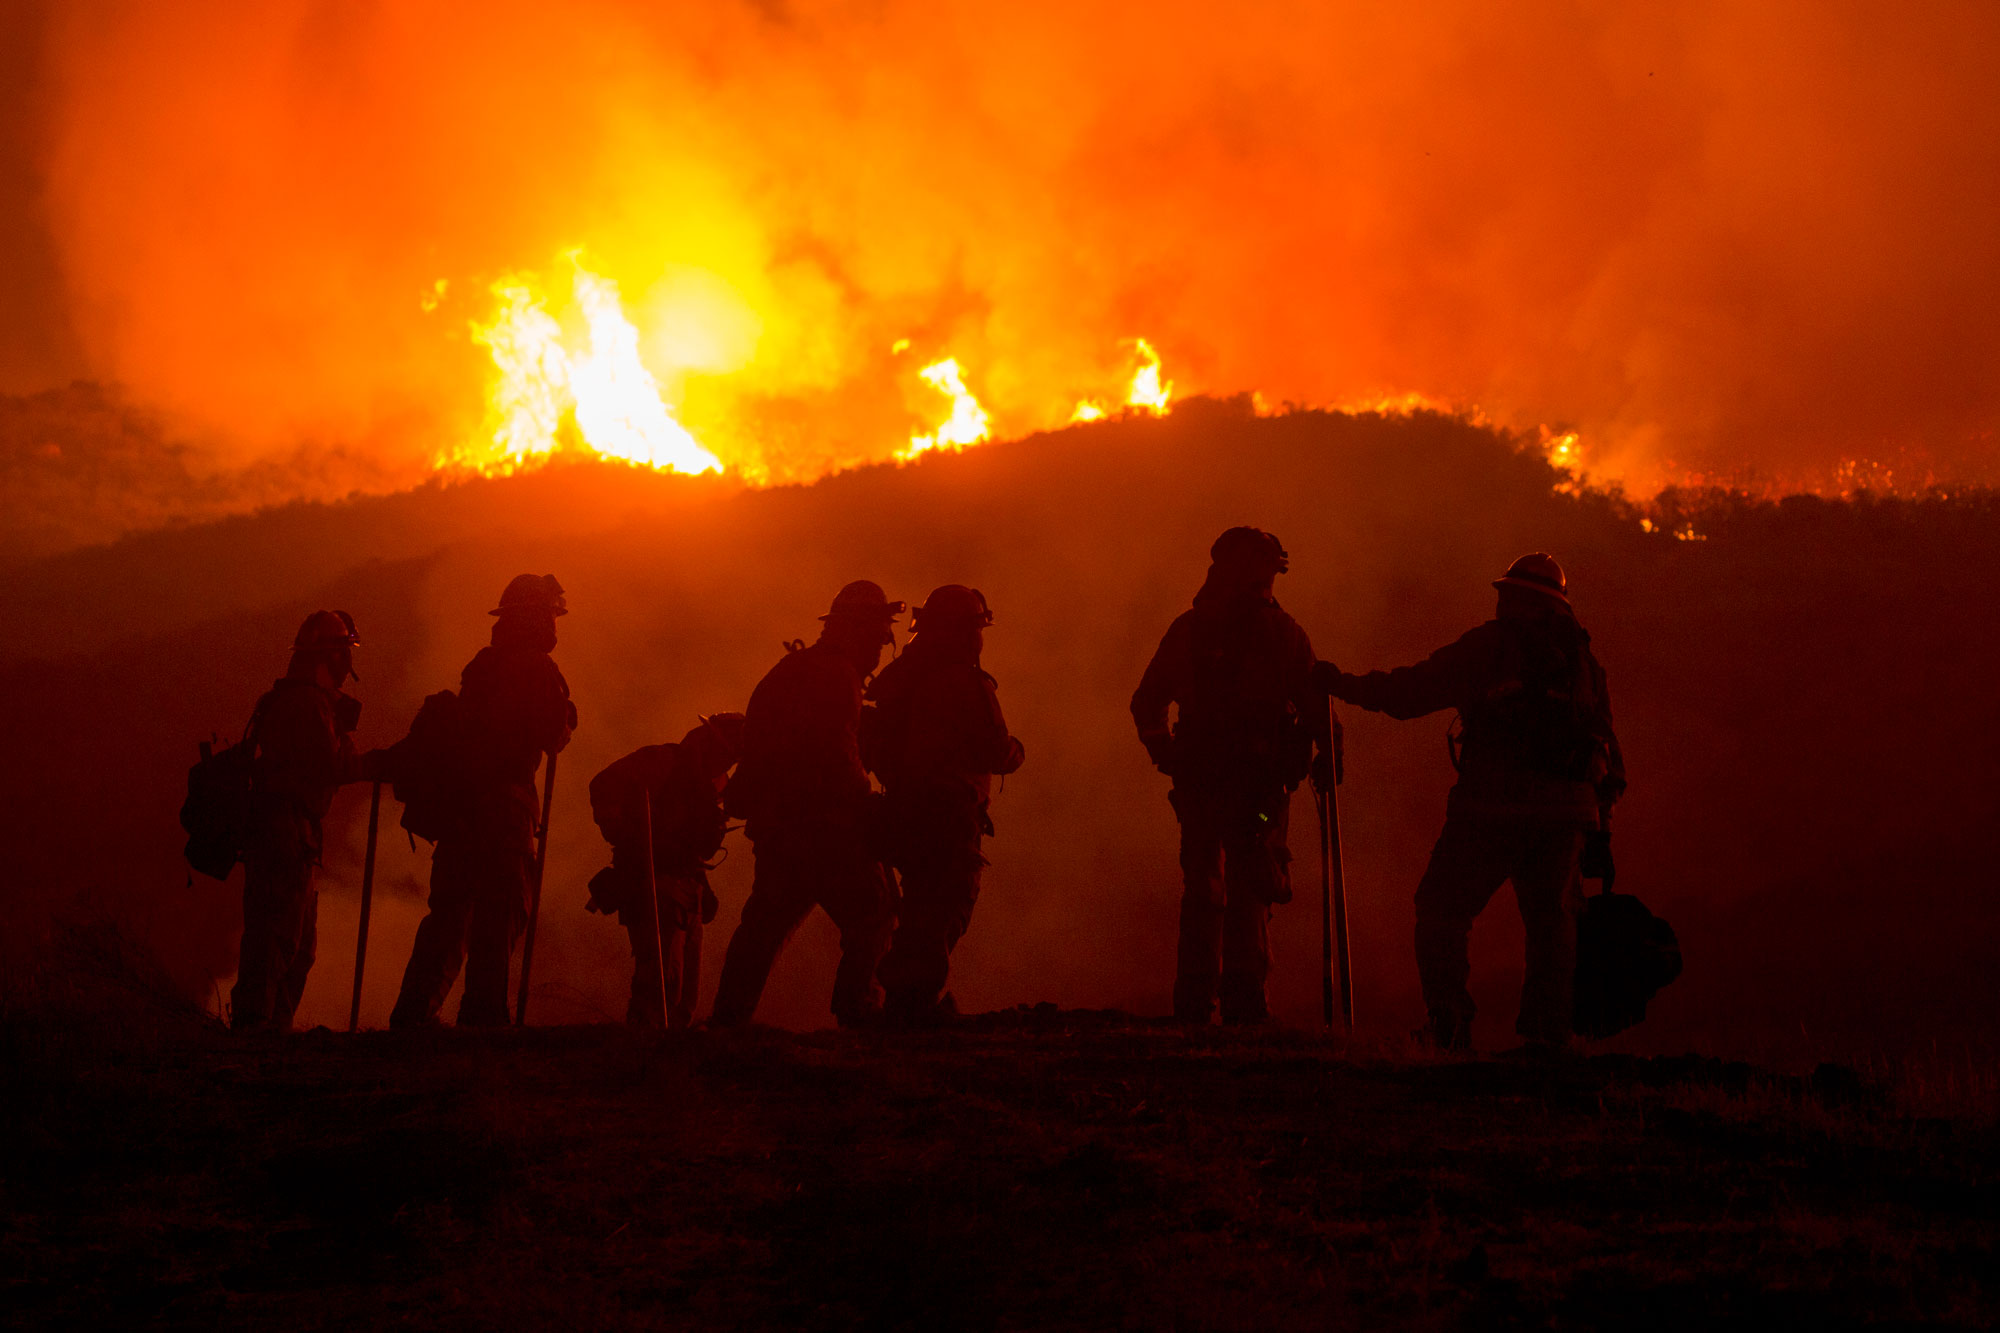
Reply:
x=545, y=386
x=1146, y=393
x=968, y=423
x=577, y=381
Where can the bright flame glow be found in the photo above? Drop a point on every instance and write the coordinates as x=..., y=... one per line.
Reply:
x=1149, y=393
x=542, y=383
x=1087, y=410
x=968, y=423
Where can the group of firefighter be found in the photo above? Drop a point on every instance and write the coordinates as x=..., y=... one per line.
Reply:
x=864, y=790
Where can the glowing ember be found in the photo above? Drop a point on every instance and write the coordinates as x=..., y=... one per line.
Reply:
x=968, y=423
x=543, y=383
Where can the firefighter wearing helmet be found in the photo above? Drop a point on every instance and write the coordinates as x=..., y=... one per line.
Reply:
x=303, y=737
x=513, y=707
x=805, y=799
x=1238, y=670
x=936, y=738
x=680, y=784
x=1538, y=771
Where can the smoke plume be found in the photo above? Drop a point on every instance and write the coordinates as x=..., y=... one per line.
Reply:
x=1718, y=239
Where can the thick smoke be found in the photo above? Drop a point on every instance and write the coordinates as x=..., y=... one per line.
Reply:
x=1717, y=238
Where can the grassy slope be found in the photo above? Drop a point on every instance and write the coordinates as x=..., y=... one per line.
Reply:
x=1039, y=1169
x=1805, y=698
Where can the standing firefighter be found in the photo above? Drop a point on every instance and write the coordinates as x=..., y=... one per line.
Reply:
x=1239, y=670
x=806, y=801
x=936, y=738
x=302, y=734
x=681, y=786
x=1538, y=771
x=512, y=708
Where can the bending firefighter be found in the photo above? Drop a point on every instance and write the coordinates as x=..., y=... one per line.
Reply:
x=512, y=708
x=805, y=799
x=1538, y=771
x=302, y=732
x=1238, y=669
x=935, y=737
x=681, y=784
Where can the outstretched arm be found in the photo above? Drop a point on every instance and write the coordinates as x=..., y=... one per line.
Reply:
x=1441, y=680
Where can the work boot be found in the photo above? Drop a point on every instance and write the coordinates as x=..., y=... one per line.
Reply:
x=1542, y=1051
x=1445, y=1035
x=941, y=1012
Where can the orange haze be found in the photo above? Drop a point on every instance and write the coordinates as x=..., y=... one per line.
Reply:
x=1716, y=237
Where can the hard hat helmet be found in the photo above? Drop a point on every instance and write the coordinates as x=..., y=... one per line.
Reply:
x=725, y=732
x=1538, y=572
x=1250, y=548
x=326, y=629
x=863, y=600
x=532, y=592
x=954, y=603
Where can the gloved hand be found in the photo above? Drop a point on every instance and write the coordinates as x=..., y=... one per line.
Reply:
x=375, y=766
x=1597, y=862
x=1325, y=677
x=1324, y=773
x=1160, y=749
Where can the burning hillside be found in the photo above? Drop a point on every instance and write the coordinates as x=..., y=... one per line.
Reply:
x=1791, y=775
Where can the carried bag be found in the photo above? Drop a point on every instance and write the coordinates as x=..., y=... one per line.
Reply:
x=1624, y=957
x=216, y=814
x=427, y=767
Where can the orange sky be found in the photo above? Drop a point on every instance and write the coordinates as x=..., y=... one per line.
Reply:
x=1746, y=236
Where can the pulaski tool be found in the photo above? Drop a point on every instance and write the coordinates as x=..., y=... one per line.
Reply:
x=367, y=901
x=535, y=895
x=1333, y=888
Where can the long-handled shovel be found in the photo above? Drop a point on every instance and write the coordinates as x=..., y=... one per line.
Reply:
x=367, y=901
x=1333, y=890
x=535, y=892
x=653, y=891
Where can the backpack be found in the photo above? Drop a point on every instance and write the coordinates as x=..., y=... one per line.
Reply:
x=615, y=793
x=1542, y=714
x=427, y=767
x=217, y=811
x=1624, y=956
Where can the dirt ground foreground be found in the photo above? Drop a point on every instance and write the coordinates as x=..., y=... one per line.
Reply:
x=1033, y=1168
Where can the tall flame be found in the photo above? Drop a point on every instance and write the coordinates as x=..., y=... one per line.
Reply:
x=542, y=384
x=1147, y=392
x=968, y=422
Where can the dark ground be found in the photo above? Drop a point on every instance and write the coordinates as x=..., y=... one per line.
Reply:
x=1033, y=1169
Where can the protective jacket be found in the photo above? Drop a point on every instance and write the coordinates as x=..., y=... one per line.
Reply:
x=1239, y=668
x=305, y=751
x=937, y=724
x=688, y=827
x=514, y=708
x=801, y=767
x=1535, y=707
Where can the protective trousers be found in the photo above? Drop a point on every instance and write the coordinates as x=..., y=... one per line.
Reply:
x=940, y=889
x=794, y=874
x=478, y=908
x=280, y=934
x=1234, y=865
x=1473, y=857
x=680, y=936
